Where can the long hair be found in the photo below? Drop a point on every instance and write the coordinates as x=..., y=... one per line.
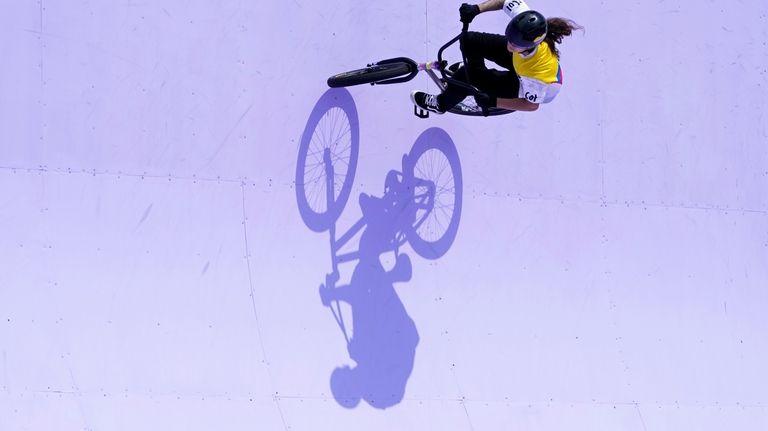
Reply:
x=557, y=29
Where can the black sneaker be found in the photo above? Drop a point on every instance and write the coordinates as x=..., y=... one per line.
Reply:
x=426, y=102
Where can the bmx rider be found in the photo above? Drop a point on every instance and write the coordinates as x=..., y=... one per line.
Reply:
x=528, y=51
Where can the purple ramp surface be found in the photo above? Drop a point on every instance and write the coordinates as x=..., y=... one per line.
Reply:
x=198, y=234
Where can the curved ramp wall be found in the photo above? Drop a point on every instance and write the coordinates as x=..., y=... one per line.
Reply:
x=605, y=265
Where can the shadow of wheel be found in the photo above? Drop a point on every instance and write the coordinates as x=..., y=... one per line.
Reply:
x=329, y=147
x=434, y=158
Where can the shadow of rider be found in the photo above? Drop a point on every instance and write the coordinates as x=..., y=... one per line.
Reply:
x=384, y=340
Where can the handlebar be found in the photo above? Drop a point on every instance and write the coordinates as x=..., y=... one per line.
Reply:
x=472, y=89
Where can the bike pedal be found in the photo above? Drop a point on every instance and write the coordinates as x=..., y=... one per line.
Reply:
x=421, y=113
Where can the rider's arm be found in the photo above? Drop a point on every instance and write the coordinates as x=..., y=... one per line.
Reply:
x=516, y=104
x=490, y=5
x=511, y=7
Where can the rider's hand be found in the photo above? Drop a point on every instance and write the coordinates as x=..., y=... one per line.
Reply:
x=468, y=12
x=485, y=101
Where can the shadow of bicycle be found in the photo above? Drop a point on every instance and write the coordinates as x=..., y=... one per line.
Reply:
x=420, y=206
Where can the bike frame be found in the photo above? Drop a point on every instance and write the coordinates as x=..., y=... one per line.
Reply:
x=446, y=76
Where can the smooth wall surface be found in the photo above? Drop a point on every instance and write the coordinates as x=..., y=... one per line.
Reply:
x=606, y=267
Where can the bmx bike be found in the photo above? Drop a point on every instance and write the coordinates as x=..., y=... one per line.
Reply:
x=403, y=69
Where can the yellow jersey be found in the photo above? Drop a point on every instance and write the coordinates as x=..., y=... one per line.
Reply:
x=540, y=74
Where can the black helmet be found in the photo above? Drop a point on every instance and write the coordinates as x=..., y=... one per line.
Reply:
x=527, y=29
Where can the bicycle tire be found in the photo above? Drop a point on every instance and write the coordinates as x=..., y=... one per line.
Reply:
x=492, y=112
x=471, y=109
x=377, y=72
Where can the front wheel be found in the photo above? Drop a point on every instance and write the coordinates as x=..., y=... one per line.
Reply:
x=375, y=73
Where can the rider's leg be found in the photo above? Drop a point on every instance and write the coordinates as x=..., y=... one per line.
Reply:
x=501, y=83
x=478, y=47
x=454, y=94
x=494, y=82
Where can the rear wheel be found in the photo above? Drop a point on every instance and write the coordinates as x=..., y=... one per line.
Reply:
x=378, y=72
x=468, y=106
